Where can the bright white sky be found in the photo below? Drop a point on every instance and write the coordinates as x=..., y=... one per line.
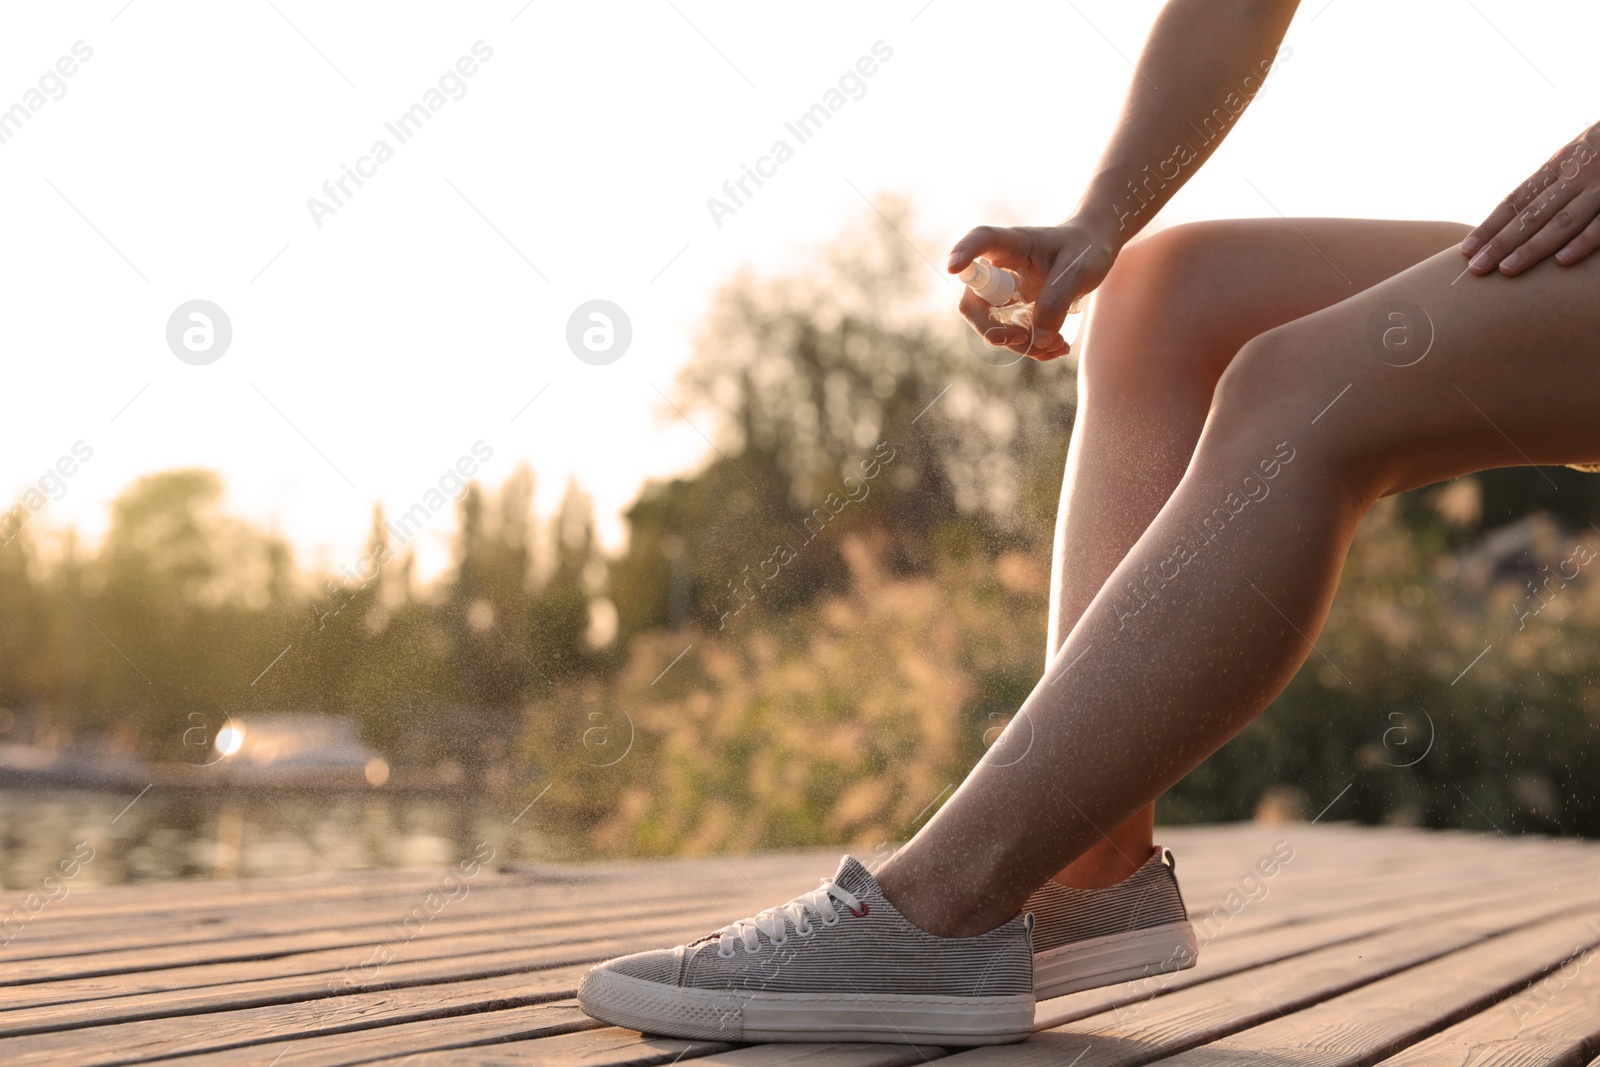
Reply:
x=178, y=163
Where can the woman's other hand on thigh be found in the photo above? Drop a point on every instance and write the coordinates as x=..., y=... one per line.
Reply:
x=1557, y=210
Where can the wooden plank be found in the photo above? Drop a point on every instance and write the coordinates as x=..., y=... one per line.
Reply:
x=358, y=885
x=483, y=957
x=1281, y=909
x=1555, y=1020
x=607, y=1047
x=826, y=1055
x=54, y=931
x=185, y=1035
x=1386, y=1016
x=224, y=986
x=112, y=902
x=22, y=978
x=729, y=904
x=457, y=1037
x=50, y=934
x=496, y=1039
x=1308, y=880
x=202, y=928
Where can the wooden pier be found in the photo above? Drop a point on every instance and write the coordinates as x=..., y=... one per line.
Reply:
x=1369, y=945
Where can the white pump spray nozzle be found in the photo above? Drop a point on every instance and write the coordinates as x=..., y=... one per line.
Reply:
x=993, y=284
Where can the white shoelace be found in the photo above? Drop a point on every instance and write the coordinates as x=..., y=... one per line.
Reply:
x=775, y=922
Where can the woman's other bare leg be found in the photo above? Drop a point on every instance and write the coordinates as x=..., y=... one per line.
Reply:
x=1166, y=323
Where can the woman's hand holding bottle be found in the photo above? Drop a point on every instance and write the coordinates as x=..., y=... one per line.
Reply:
x=1054, y=265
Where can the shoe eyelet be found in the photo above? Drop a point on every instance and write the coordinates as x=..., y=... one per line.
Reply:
x=725, y=954
x=780, y=944
x=807, y=932
x=834, y=921
x=748, y=951
x=862, y=913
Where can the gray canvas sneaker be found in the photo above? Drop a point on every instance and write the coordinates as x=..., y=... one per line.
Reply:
x=839, y=963
x=1138, y=928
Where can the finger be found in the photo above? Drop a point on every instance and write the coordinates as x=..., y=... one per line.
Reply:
x=976, y=310
x=1538, y=183
x=1060, y=288
x=1503, y=213
x=1041, y=347
x=1521, y=228
x=1579, y=247
x=1558, y=229
x=989, y=241
x=1018, y=339
x=1516, y=201
x=1055, y=351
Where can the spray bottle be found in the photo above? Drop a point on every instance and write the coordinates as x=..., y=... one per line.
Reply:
x=1002, y=288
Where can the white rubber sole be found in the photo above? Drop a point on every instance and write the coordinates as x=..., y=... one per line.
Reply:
x=759, y=1015
x=1103, y=961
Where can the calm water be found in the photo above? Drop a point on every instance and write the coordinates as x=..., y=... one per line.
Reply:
x=242, y=835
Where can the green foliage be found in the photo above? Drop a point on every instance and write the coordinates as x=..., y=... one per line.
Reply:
x=185, y=615
x=1509, y=743
x=840, y=722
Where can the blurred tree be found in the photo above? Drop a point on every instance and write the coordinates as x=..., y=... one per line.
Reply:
x=24, y=660
x=813, y=375
x=341, y=656
x=182, y=602
x=560, y=619
x=486, y=609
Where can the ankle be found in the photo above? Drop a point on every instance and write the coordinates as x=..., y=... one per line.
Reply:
x=938, y=907
x=1102, y=868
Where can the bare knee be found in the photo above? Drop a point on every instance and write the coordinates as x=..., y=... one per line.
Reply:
x=1278, y=394
x=1156, y=320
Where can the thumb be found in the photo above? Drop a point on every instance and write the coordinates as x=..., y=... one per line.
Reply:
x=996, y=243
x=1057, y=294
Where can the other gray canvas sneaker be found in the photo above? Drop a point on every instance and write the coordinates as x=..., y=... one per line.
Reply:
x=839, y=963
x=1138, y=928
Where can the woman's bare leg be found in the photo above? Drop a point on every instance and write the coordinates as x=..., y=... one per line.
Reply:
x=1310, y=424
x=1165, y=325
